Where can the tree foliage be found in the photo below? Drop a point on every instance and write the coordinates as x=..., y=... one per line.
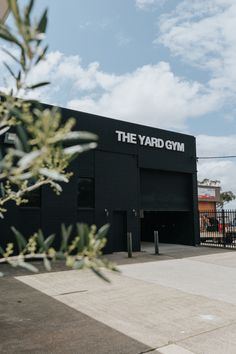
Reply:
x=226, y=197
x=41, y=151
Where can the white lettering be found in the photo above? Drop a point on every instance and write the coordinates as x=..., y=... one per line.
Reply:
x=174, y=144
x=119, y=135
x=126, y=137
x=133, y=138
x=181, y=147
x=148, y=141
x=159, y=143
x=141, y=139
x=168, y=145
x=154, y=142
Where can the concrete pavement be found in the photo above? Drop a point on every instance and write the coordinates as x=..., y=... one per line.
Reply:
x=34, y=323
x=183, y=301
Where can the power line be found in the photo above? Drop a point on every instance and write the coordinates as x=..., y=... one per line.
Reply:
x=215, y=157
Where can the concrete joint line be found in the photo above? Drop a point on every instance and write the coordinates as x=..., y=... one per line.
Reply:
x=71, y=292
x=148, y=351
x=204, y=332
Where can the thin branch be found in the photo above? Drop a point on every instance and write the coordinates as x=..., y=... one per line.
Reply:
x=22, y=257
x=20, y=193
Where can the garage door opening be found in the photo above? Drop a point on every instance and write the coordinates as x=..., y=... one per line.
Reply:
x=173, y=227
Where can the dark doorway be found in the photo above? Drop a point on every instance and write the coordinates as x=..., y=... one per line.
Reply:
x=119, y=230
x=172, y=226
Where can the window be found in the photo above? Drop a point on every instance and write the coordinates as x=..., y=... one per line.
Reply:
x=85, y=192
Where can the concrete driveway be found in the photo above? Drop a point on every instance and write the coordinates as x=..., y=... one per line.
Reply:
x=182, y=301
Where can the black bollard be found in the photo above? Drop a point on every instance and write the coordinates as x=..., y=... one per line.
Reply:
x=129, y=244
x=156, y=242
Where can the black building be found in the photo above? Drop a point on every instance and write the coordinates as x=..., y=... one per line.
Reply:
x=139, y=179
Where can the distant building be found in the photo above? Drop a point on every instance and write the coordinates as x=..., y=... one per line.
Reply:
x=208, y=197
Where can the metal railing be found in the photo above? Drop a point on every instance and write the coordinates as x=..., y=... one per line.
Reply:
x=218, y=228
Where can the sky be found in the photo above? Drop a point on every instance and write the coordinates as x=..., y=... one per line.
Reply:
x=169, y=64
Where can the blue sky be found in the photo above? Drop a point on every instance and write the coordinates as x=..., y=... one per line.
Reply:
x=165, y=63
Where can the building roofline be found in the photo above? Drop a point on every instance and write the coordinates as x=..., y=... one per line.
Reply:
x=120, y=120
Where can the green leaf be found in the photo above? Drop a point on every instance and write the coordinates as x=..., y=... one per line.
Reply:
x=80, y=135
x=65, y=233
x=60, y=256
x=15, y=112
x=40, y=84
x=78, y=149
x=23, y=137
x=1, y=251
x=49, y=240
x=83, y=231
x=2, y=190
x=14, y=9
x=54, y=175
x=22, y=58
x=47, y=264
x=18, y=80
x=7, y=36
x=79, y=264
x=21, y=241
x=18, y=153
x=11, y=55
x=28, y=9
x=10, y=70
x=24, y=176
x=41, y=56
x=28, y=159
x=40, y=238
x=43, y=23
x=102, y=232
x=100, y=274
x=27, y=266
x=19, y=147
x=4, y=130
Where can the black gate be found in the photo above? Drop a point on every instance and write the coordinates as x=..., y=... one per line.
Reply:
x=218, y=228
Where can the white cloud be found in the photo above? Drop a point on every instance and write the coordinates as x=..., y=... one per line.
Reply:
x=144, y=4
x=123, y=40
x=202, y=33
x=216, y=145
x=151, y=95
x=218, y=169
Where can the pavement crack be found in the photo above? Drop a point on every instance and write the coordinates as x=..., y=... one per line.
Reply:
x=148, y=350
x=71, y=292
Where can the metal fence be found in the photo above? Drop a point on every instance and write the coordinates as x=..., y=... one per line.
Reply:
x=218, y=228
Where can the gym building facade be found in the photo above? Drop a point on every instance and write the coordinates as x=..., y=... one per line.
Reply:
x=139, y=179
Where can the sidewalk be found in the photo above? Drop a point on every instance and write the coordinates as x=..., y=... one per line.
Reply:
x=182, y=301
